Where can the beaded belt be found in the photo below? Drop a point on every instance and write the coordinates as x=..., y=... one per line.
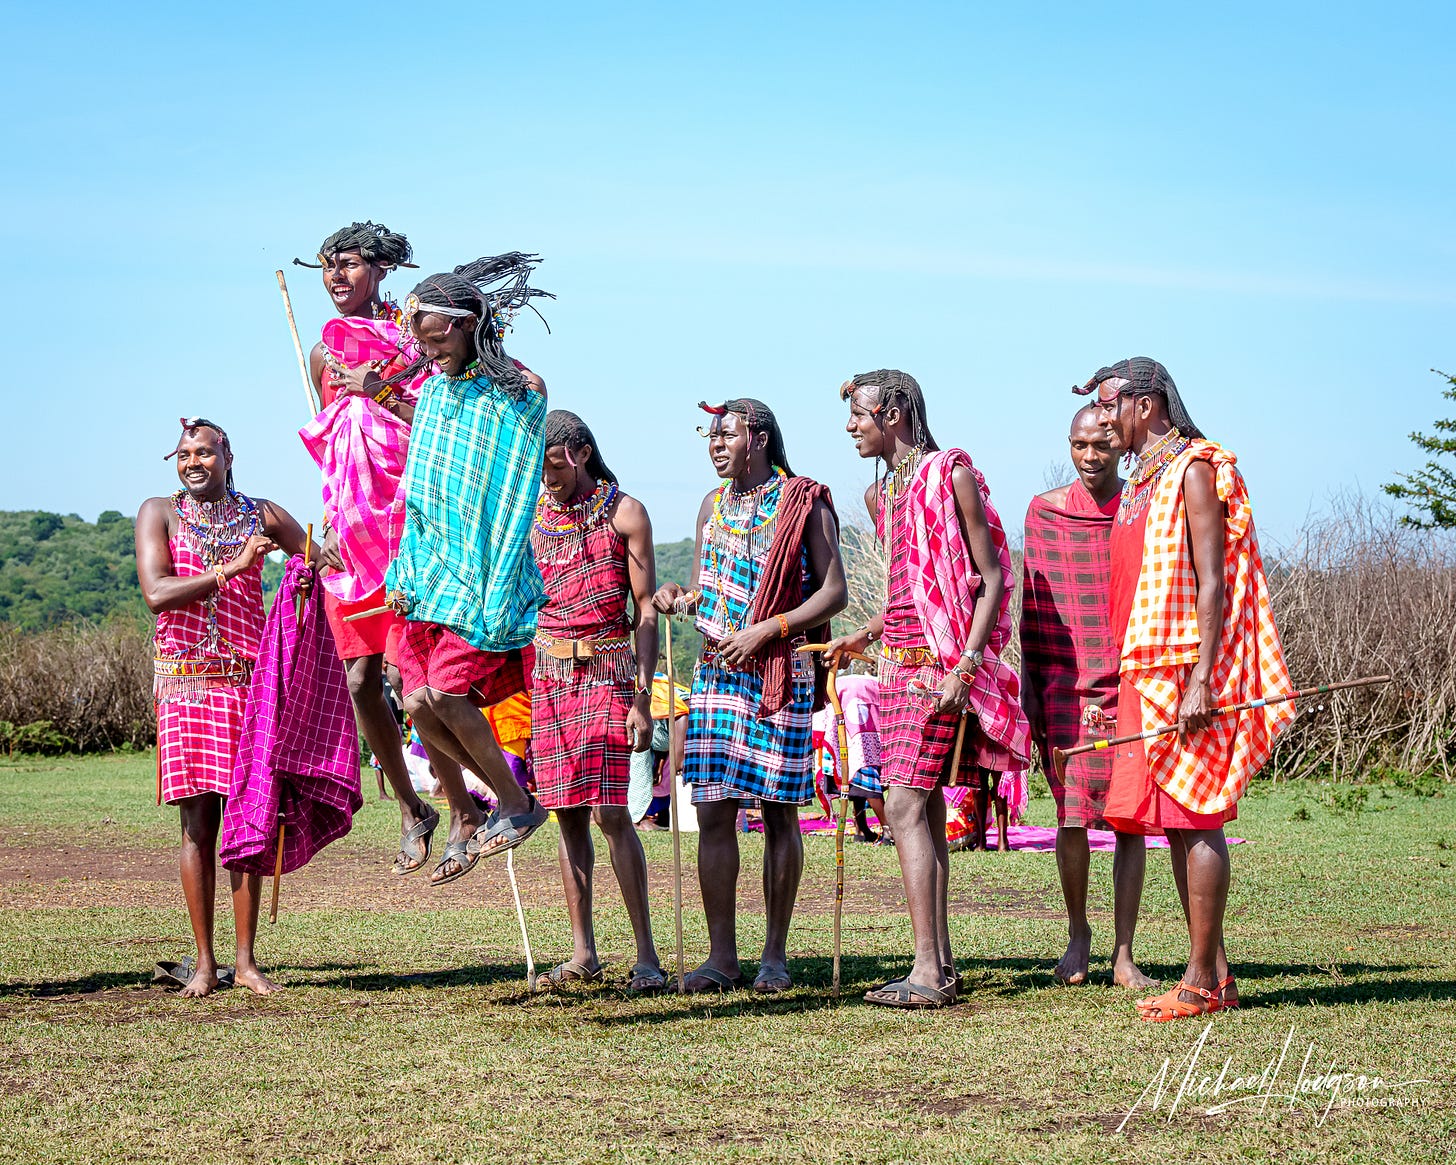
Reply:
x=909, y=656
x=580, y=649
x=234, y=671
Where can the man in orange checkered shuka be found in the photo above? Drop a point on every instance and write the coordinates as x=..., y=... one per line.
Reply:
x=1191, y=602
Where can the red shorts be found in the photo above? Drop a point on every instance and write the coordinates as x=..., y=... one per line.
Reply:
x=432, y=656
x=377, y=635
x=1135, y=802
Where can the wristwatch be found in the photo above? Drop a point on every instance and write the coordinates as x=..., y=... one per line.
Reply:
x=975, y=658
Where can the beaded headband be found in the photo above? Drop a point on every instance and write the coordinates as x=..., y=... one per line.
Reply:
x=413, y=306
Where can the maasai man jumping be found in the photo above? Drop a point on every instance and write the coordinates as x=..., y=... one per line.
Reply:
x=465, y=578
x=1069, y=684
x=768, y=572
x=360, y=440
x=200, y=565
x=944, y=624
x=1190, y=607
x=592, y=701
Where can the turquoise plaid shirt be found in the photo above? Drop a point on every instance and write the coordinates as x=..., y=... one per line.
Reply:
x=470, y=489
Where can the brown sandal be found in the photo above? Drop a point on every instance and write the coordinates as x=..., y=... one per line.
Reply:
x=1168, y=1006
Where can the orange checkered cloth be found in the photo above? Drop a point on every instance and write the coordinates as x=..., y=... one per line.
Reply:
x=1214, y=770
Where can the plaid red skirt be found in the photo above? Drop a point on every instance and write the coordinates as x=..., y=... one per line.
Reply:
x=198, y=742
x=579, y=742
x=915, y=749
x=376, y=635
x=432, y=656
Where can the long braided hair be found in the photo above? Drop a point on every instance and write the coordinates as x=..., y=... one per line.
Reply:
x=757, y=418
x=492, y=290
x=568, y=430
x=1146, y=377
x=375, y=242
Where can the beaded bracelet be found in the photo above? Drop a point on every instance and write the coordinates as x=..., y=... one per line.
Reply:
x=783, y=626
x=221, y=578
x=965, y=675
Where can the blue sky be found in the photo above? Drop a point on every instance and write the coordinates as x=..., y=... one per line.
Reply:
x=748, y=200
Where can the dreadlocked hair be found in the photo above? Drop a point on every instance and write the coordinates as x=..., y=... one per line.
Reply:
x=493, y=289
x=757, y=418
x=375, y=242
x=1146, y=377
x=570, y=431
x=890, y=386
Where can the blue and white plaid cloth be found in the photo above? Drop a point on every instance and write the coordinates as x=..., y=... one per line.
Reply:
x=730, y=752
x=470, y=490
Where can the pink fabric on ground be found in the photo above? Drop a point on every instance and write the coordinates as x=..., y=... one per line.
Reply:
x=298, y=755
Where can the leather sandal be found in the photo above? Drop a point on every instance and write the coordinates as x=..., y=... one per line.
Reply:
x=1169, y=1006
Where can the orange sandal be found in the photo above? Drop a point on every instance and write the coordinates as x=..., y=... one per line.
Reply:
x=1225, y=986
x=1168, y=1006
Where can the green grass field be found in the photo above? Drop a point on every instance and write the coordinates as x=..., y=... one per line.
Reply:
x=406, y=1033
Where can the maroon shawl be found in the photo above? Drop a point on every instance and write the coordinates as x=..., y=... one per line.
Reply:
x=781, y=589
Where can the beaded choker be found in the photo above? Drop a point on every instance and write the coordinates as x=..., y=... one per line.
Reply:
x=473, y=371
x=553, y=520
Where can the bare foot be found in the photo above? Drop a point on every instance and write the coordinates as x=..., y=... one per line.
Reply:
x=203, y=982
x=1072, y=969
x=255, y=981
x=1125, y=973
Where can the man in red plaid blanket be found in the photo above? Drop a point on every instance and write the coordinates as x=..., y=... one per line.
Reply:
x=1069, y=683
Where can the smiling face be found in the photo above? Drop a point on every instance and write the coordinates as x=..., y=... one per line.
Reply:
x=562, y=473
x=447, y=340
x=731, y=445
x=202, y=464
x=352, y=283
x=1094, y=456
x=864, y=423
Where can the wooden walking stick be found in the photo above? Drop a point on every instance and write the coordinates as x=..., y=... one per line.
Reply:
x=1060, y=755
x=841, y=774
x=521, y=917
x=313, y=402
x=682, y=981
x=277, y=874
x=307, y=552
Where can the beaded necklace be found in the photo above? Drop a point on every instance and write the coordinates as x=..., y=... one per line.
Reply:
x=738, y=539
x=1142, y=482
x=217, y=530
x=473, y=371
x=553, y=520
x=894, y=487
x=558, y=533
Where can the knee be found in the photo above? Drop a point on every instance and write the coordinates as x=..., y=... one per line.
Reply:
x=612, y=820
x=420, y=705
x=364, y=677
x=200, y=820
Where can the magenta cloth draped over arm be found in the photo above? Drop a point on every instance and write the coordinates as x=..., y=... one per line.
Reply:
x=299, y=751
